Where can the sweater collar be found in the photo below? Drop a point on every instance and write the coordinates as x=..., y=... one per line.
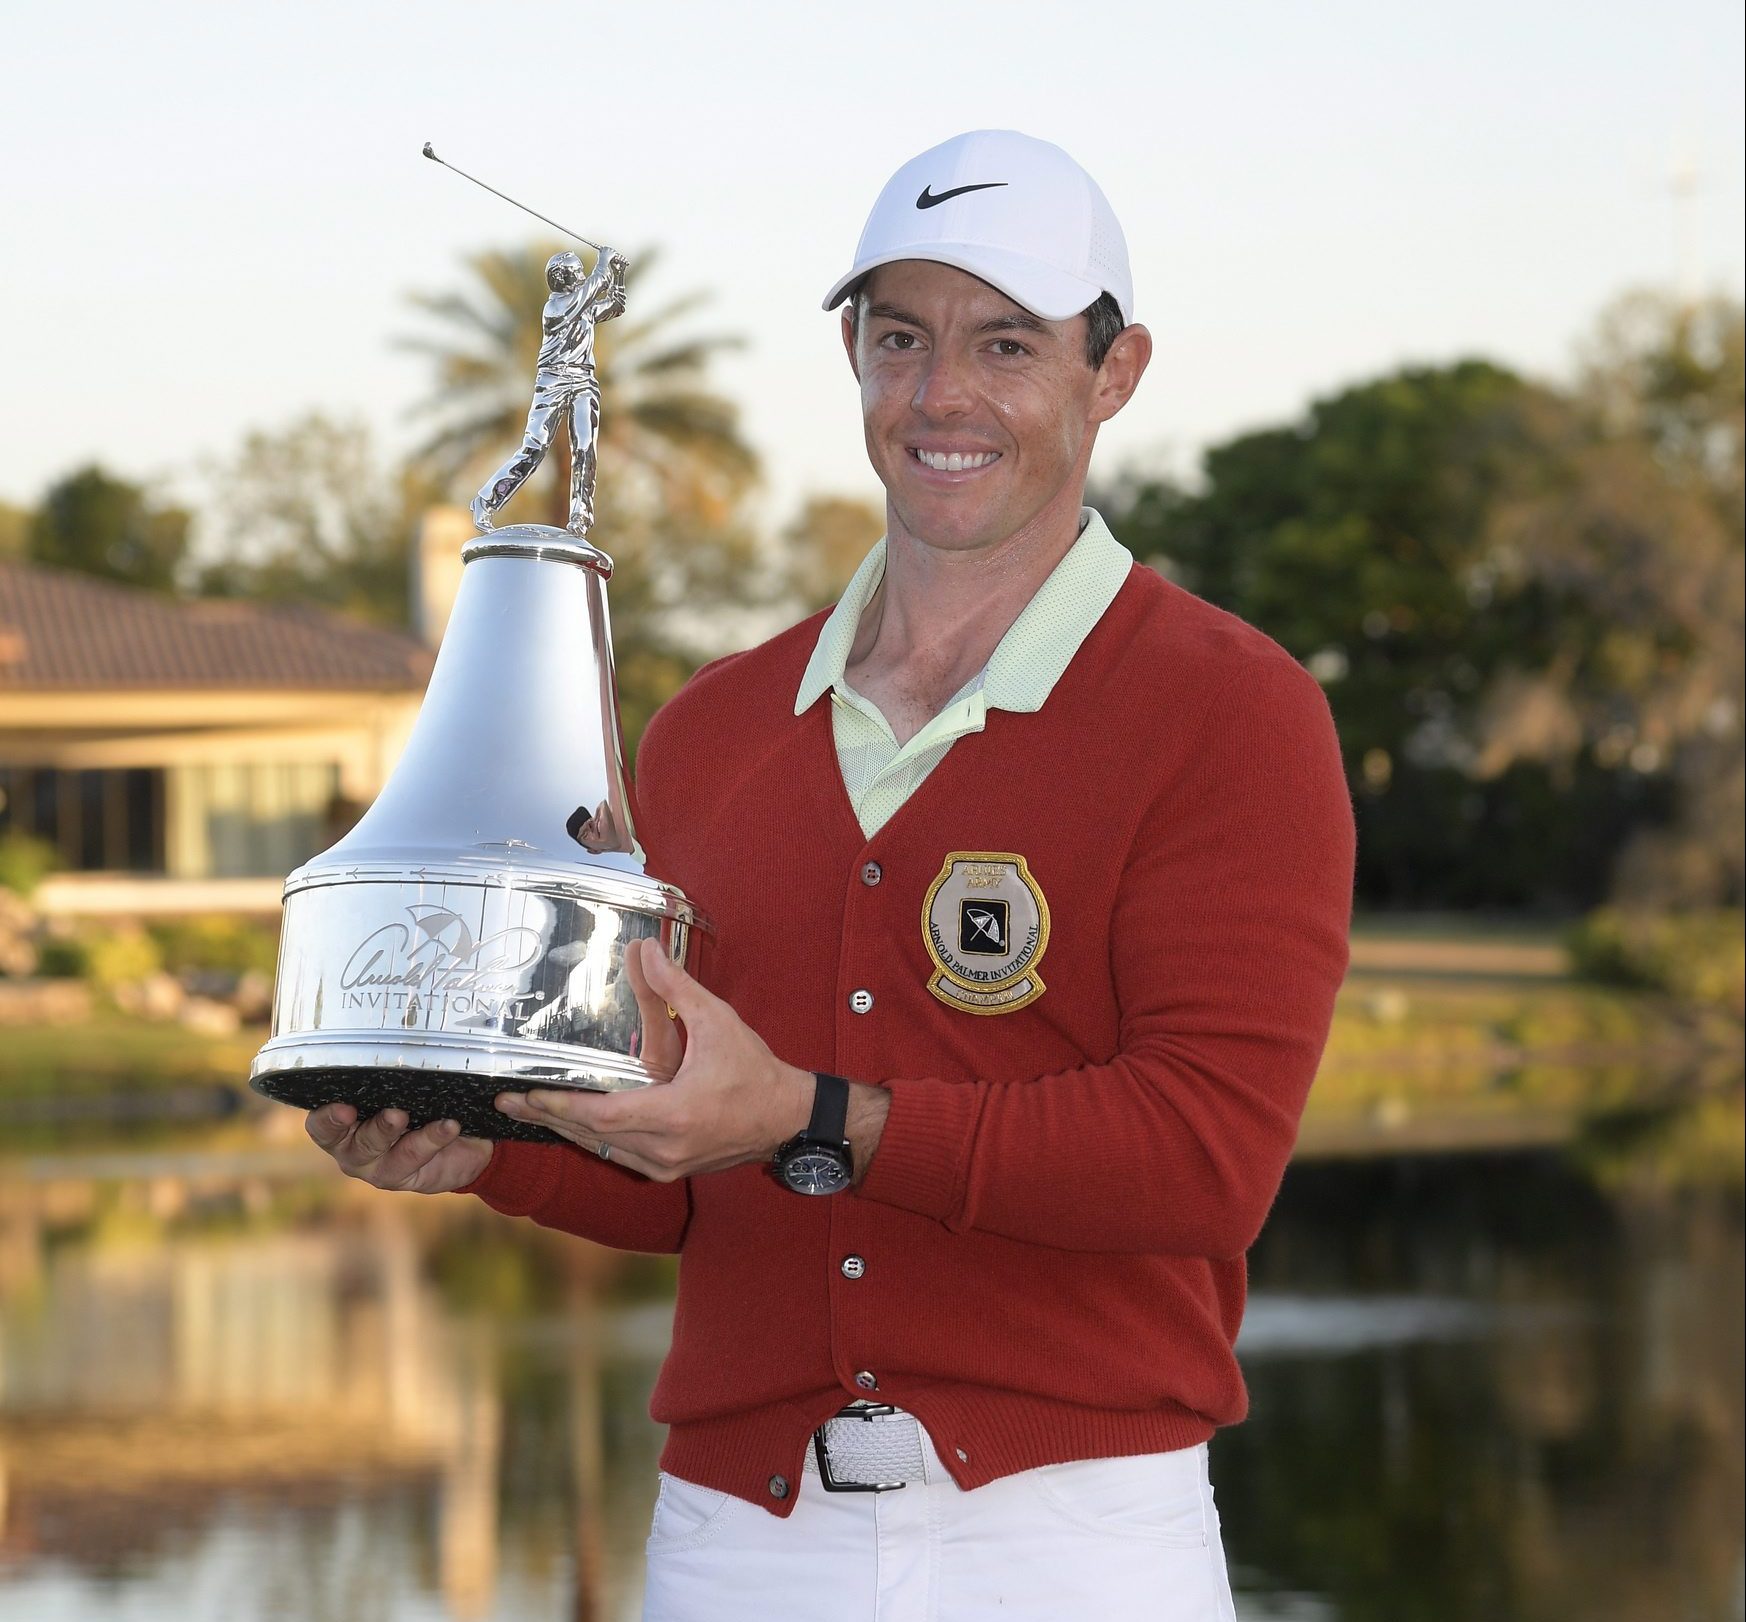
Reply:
x=1039, y=644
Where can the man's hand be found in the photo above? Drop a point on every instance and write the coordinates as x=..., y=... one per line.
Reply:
x=435, y=1159
x=732, y=1099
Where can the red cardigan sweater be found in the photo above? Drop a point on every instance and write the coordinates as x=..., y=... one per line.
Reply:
x=1053, y=1228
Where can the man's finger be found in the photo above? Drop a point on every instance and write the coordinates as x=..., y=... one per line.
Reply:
x=661, y=1048
x=376, y=1136
x=413, y=1151
x=598, y=1114
x=672, y=982
x=627, y=1149
x=329, y=1124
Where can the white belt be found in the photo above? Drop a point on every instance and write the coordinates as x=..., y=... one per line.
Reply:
x=868, y=1447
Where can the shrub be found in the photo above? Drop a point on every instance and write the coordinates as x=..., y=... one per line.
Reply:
x=25, y=862
x=225, y=944
x=63, y=958
x=121, y=957
x=1699, y=957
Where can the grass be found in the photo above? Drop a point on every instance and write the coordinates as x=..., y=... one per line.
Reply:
x=1415, y=926
x=113, y=1052
x=1467, y=1042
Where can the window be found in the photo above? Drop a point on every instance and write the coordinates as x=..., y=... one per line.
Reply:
x=96, y=820
x=249, y=819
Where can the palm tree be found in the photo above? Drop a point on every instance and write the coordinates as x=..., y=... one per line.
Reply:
x=668, y=443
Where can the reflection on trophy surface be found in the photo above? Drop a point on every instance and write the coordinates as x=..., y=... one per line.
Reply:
x=467, y=936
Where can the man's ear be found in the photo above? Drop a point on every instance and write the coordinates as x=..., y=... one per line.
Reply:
x=849, y=340
x=1121, y=371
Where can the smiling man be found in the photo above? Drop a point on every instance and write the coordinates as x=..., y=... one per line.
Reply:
x=1032, y=876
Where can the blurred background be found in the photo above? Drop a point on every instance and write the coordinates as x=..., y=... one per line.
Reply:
x=1447, y=400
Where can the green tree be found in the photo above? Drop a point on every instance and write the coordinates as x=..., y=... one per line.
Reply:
x=1356, y=537
x=824, y=545
x=1524, y=602
x=1624, y=524
x=304, y=513
x=14, y=530
x=1672, y=374
x=102, y=525
x=1665, y=380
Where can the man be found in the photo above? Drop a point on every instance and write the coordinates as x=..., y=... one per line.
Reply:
x=566, y=389
x=1032, y=875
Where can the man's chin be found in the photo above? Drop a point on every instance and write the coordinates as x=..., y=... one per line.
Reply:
x=957, y=540
x=953, y=526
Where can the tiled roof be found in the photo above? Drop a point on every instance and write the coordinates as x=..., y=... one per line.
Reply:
x=65, y=631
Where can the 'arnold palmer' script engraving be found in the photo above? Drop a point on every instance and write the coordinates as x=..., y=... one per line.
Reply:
x=436, y=956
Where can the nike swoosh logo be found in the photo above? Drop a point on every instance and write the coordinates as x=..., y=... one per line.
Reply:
x=929, y=200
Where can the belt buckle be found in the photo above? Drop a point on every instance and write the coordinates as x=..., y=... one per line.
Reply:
x=872, y=1410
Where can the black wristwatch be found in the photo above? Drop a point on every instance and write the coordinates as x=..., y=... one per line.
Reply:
x=817, y=1160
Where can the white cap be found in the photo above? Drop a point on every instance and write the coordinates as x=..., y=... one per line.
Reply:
x=1016, y=211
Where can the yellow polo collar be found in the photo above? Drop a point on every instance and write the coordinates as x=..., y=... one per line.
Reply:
x=1029, y=659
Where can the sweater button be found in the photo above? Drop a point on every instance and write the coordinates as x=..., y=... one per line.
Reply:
x=871, y=873
x=867, y=1380
x=779, y=1486
x=854, y=1266
x=861, y=1001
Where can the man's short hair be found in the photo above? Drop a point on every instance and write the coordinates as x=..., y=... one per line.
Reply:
x=1103, y=322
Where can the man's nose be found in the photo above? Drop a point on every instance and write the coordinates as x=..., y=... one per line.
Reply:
x=943, y=389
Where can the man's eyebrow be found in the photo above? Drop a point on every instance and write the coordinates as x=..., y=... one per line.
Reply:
x=891, y=312
x=1018, y=321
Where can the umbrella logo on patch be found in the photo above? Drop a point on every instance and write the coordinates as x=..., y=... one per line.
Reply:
x=982, y=927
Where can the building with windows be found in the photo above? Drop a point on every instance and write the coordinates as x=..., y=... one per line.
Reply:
x=184, y=756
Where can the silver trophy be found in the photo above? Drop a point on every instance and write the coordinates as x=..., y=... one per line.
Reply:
x=467, y=936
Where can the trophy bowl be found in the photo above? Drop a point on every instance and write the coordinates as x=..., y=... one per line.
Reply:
x=468, y=935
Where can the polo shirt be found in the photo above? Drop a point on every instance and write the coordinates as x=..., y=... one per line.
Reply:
x=879, y=774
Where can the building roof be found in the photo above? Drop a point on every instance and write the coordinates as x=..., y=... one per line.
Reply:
x=65, y=631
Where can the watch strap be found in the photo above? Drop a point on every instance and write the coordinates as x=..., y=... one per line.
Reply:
x=830, y=1110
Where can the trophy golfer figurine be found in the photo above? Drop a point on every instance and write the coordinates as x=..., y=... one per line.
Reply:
x=565, y=387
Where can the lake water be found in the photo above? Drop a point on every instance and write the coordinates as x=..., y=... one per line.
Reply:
x=1502, y=1387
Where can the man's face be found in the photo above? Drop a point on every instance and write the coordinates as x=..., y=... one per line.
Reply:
x=950, y=367
x=563, y=271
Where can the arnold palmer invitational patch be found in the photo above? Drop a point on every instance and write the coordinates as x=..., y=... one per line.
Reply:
x=985, y=925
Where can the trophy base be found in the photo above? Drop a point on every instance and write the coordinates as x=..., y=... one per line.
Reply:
x=425, y=1096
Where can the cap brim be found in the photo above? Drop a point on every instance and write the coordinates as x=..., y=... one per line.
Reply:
x=1043, y=290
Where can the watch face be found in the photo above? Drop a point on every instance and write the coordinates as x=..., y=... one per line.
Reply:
x=815, y=1171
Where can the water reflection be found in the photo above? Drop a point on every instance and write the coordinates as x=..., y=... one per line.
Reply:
x=276, y=1400
x=1481, y=1387
x=1549, y=1426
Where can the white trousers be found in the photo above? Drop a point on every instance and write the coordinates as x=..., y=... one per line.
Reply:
x=1097, y=1540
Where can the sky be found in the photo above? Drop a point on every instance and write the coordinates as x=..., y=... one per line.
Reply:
x=210, y=216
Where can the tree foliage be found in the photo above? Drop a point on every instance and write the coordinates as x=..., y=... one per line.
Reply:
x=824, y=544
x=1524, y=602
x=14, y=530
x=101, y=525
x=304, y=513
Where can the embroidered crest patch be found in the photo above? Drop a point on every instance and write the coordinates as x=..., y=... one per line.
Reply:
x=985, y=925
